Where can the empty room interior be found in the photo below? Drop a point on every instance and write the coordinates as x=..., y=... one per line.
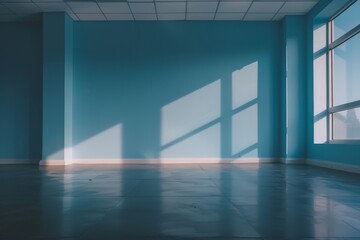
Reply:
x=179, y=119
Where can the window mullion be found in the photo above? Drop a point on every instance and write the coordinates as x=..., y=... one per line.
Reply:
x=344, y=38
x=346, y=106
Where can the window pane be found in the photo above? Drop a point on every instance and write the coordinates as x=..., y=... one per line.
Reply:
x=347, y=20
x=346, y=82
x=346, y=124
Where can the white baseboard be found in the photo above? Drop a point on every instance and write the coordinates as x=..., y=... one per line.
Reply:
x=54, y=163
x=174, y=161
x=141, y=161
x=18, y=161
x=334, y=165
x=293, y=160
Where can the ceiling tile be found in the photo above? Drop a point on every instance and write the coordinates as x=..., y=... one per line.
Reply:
x=34, y=17
x=5, y=11
x=265, y=7
x=73, y=16
x=297, y=7
x=8, y=18
x=114, y=7
x=140, y=0
x=248, y=1
x=171, y=16
x=229, y=16
x=84, y=7
x=200, y=16
x=23, y=8
x=258, y=16
x=202, y=1
x=119, y=17
x=278, y=17
x=202, y=6
x=144, y=17
x=53, y=6
x=15, y=1
x=36, y=1
x=142, y=7
x=292, y=13
x=91, y=17
x=110, y=1
x=170, y=7
x=169, y=0
x=233, y=6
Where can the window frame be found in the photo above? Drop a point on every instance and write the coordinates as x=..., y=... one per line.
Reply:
x=331, y=46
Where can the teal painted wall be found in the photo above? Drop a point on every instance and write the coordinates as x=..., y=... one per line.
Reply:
x=343, y=153
x=164, y=89
x=176, y=89
x=57, y=82
x=293, y=88
x=69, y=73
x=20, y=91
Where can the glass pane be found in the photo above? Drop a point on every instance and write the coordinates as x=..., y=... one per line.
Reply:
x=346, y=124
x=346, y=21
x=346, y=66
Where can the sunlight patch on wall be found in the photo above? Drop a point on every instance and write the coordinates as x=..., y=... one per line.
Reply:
x=245, y=131
x=200, y=145
x=244, y=85
x=190, y=112
x=58, y=155
x=251, y=153
x=244, y=122
x=106, y=144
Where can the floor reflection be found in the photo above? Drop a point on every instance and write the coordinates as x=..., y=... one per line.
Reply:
x=178, y=201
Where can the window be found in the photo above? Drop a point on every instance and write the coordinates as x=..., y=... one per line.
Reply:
x=344, y=74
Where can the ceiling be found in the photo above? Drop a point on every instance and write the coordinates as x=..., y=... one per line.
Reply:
x=153, y=10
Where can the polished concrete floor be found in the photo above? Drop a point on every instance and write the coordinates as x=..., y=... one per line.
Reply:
x=269, y=201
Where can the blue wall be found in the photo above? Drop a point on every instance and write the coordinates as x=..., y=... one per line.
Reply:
x=293, y=88
x=164, y=89
x=176, y=89
x=343, y=153
x=20, y=91
x=57, y=86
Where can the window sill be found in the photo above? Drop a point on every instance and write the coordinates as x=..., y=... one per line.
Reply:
x=349, y=141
